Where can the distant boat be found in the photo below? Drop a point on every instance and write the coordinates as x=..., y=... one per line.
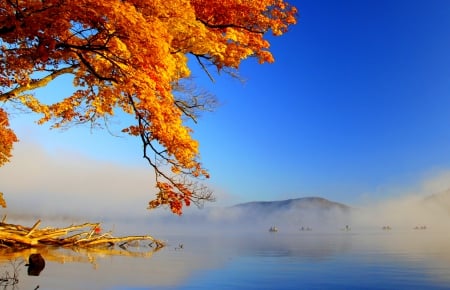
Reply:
x=273, y=229
x=420, y=228
x=347, y=228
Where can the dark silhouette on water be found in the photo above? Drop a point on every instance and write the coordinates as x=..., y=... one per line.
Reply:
x=36, y=264
x=273, y=229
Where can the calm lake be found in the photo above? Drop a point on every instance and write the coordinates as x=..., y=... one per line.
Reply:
x=369, y=259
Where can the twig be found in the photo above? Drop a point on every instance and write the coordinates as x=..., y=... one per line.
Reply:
x=33, y=228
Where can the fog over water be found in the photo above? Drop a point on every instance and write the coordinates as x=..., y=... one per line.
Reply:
x=61, y=189
x=69, y=188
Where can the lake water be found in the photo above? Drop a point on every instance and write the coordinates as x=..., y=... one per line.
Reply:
x=370, y=259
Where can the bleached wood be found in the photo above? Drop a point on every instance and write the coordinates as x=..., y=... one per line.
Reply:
x=83, y=235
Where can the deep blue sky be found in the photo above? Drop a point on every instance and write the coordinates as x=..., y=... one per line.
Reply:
x=357, y=103
x=356, y=107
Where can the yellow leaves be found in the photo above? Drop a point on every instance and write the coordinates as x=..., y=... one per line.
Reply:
x=2, y=200
x=176, y=139
x=120, y=47
x=34, y=104
x=7, y=138
x=175, y=169
x=241, y=26
x=128, y=55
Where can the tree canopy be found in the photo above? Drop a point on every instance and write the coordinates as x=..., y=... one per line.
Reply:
x=132, y=56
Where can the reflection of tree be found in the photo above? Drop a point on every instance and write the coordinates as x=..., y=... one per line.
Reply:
x=36, y=264
x=78, y=255
x=10, y=280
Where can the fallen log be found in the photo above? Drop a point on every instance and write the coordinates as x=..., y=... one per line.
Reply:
x=82, y=236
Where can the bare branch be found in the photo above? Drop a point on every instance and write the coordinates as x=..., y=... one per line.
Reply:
x=199, y=57
x=192, y=101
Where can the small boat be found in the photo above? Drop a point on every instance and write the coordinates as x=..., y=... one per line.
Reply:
x=273, y=229
x=347, y=228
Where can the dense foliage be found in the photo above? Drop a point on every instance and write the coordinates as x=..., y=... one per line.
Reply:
x=131, y=56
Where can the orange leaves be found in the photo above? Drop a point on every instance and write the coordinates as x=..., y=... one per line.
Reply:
x=131, y=56
x=240, y=26
x=7, y=138
x=2, y=201
x=175, y=196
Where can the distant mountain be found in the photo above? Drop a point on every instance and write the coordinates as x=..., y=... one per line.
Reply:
x=311, y=212
x=304, y=203
x=441, y=199
x=443, y=195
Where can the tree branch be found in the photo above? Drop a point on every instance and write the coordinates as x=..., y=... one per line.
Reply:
x=198, y=193
x=93, y=71
x=229, y=25
x=36, y=83
x=198, y=57
x=7, y=29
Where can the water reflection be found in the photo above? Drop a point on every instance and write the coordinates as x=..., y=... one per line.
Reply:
x=74, y=261
x=80, y=255
x=36, y=264
x=390, y=254
x=9, y=279
x=305, y=245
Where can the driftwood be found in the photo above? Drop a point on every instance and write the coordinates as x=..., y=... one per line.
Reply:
x=75, y=236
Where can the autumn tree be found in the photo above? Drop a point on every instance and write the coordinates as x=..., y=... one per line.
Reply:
x=131, y=56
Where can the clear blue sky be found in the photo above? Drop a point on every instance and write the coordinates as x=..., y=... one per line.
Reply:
x=357, y=103
x=356, y=106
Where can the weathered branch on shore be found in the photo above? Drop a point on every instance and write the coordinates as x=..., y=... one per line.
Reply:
x=81, y=236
